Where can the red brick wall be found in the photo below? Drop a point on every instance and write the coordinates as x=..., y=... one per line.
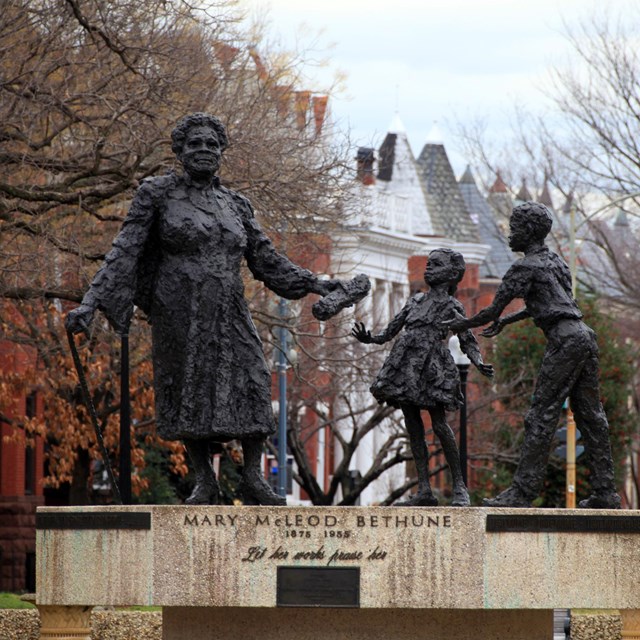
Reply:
x=17, y=540
x=467, y=288
x=16, y=358
x=17, y=510
x=416, y=266
x=12, y=458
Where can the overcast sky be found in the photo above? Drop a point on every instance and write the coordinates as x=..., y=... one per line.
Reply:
x=433, y=60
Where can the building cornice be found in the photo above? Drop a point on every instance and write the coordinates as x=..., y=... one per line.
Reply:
x=404, y=244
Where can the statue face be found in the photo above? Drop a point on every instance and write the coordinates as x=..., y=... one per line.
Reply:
x=439, y=269
x=519, y=234
x=201, y=154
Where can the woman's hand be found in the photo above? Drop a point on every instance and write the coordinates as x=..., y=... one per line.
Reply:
x=486, y=369
x=79, y=319
x=325, y=287
x=361, y=333
x=492, y=330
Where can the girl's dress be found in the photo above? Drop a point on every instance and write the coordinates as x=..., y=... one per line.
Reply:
x=420, y=369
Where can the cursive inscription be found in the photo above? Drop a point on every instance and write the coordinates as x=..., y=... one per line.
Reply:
x=258, y=553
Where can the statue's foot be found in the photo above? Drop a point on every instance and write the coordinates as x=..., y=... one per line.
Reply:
x=460, y=497
x=255, y=490
x=511, y=497
x=204, y=493
x=420, y=499
x=606, y=501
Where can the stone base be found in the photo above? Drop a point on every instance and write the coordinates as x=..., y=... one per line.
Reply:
x=354, y=624
x=226, y=572
x=405, y=558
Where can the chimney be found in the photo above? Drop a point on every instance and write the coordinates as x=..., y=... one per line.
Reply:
x=302, y=100
x=282, y=96
x=225, y=53
x=365, y=159
x=319, y=111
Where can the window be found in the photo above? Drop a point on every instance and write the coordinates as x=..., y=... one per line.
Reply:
x=30, y=452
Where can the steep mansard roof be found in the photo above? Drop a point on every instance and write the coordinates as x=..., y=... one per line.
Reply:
x=499, y=186
x=524, y=193
x=500, y=257
x=445, y=202
x=545, y=195
x=398, y=175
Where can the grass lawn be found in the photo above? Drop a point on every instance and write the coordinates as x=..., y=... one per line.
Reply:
x=13, y=601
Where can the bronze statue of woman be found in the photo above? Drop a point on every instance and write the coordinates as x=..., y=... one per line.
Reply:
x=178, y=257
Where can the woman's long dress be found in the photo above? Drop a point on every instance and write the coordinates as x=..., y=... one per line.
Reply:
x=178, y=257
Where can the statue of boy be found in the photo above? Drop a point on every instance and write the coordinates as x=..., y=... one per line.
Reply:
x=569, y=367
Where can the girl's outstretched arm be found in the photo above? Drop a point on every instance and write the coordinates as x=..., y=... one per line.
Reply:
x=362, y=334
x=469, y=346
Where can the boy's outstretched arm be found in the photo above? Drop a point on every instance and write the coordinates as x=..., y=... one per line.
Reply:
x=502, y=298
x=499, y=324
x=515, y=284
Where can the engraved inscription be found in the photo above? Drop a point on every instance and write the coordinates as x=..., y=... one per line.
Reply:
x=298, y=525
x=328, y=540
x=217, y=520
x=399, y=522
x=257, y=553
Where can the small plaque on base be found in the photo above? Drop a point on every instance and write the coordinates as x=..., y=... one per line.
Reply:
x=94, y=520
x=318, y=587
x=558, y=523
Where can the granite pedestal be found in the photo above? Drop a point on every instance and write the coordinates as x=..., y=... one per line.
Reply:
x=356, y=572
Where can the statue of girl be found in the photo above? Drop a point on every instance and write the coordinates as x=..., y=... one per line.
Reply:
x=420, y=372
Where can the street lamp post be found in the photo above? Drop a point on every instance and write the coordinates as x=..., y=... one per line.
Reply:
x=570, y=479
x=125, y=423
x=462, y=362
x=282, y=397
